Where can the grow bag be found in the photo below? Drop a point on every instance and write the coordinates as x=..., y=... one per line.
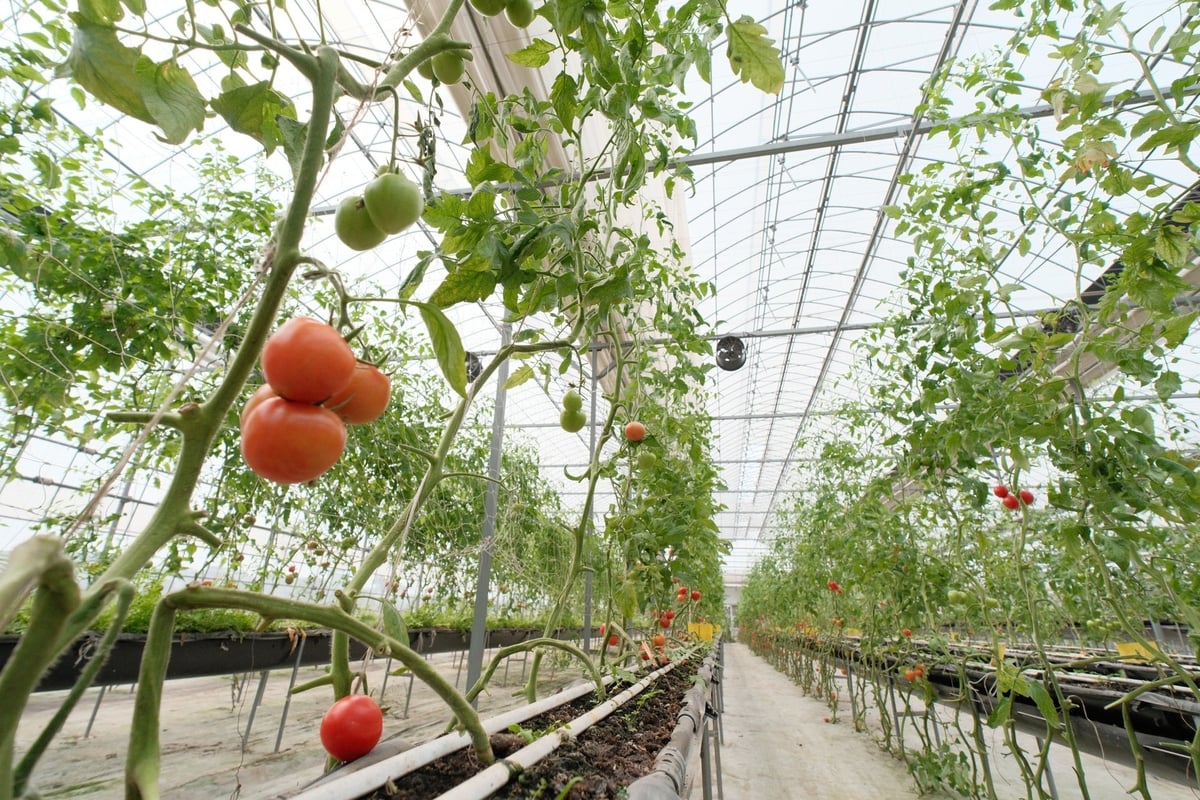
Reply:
x=196, y=655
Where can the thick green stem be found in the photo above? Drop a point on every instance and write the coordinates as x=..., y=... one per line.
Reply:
x=589, y=666
x=124, y=592
x=40, y=561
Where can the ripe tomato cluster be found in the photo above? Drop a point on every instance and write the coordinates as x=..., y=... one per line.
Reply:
x=1013, y=501
x=294, y=426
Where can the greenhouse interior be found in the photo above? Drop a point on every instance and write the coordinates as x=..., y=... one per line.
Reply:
x=445, y=400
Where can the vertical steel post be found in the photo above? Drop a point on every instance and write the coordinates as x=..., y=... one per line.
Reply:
x=287, y=698
x=490, y=501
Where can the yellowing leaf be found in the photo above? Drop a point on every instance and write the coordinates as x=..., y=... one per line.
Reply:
x=754, y=58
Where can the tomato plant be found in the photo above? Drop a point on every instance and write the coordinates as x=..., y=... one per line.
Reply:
x=289, y=442
x=351, y=727
x=307, y=361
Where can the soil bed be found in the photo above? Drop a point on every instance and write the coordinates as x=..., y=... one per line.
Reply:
x=602, y=761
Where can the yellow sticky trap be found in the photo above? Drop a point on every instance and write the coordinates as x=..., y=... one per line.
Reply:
x=853, y=632
x=703, y=630
x=1136, y=652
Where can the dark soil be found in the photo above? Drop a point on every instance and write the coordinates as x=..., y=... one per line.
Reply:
x=607, y=757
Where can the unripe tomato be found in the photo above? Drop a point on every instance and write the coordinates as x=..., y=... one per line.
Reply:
x=646, y=460
x=520, y=12
x=393, y=202
x=425, y=69
x=572, y=401
x=351, y=727
x=364, y=398
x=635, y=432
x=290, y=442
x=572, y=421
x=353, y=225
x=307, y=361
x=489, y=8
x=448, y=67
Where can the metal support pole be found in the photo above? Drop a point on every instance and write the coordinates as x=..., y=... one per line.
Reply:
x=490, y=501
x=387, y=671
x=258, y=696
x=705, y=762
x=287, y=698
x=92, y=719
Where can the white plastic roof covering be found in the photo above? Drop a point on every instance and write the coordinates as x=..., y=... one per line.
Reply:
x=785, y=217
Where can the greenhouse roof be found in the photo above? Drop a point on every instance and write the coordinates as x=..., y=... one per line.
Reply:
x=788, y=217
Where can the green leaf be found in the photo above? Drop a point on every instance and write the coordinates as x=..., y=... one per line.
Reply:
x=412, y=281
x=393, y=623
x=293, y=134
x=522, y=374
x=253, y=110
x=753, y=57
x=1045, y=705
x=464, y=286
x=171, y=97
x=100, y=12
x=1000, y=713
x=447, y=344
x=106, y=69
x=568, y=15
x=1173, y=246
x=536, y=54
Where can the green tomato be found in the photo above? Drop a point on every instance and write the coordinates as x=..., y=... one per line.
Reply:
x=572, y=421
x=489, y=8
x=448, y=67
x=646, y=460
x=393, y=202
x=956, y=597
x=520, y=12
x=425, y=69
x=353, y=225
x=572, y=401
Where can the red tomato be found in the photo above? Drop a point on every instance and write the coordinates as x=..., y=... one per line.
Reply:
x=1011, y=502
x=834, y=587
x=364, y=398
x=1026, y=496
x=659, y=640
x=290, y=442
x=670, y=613
x=910, y=675
x=635, y=431
x=307, y=361
x=696, y=595
x=906, y=632
x=601, y=628
x=264, y=392
x=645, y=655
x=1000, y=491
x=664, y=622
x=614, y=640
x=351, y=727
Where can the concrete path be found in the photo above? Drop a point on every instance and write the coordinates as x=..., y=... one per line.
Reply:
x=778, y=746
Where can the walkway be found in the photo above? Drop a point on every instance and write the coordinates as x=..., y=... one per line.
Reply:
x=778, y=747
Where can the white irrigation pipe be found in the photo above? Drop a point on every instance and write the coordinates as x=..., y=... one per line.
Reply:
x=498, y=774
x=368, y=778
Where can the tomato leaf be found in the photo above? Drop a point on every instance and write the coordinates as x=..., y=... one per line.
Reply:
x=393, y=623
x=522, y=374
x=536, y=54
x=106, y=69
x=254, y=110
x=1000, y=713
x=1045, y=705
x=447, y=344
x=753, y=57
x=171, y=97
x=464, y=286
x=101, y=12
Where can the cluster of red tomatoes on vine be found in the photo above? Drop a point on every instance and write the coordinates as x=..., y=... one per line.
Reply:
x=1012, y=501
x=294, y=426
